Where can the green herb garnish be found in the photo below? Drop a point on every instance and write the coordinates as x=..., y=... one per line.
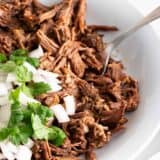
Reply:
x=54, y=134
x=3, y=58
x=22, y=74
x=9, y=66
x=33, y=61
x=39, y=88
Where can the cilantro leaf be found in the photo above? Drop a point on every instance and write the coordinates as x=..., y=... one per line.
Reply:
x=20, y=52
x=3, y=58
x=18, y=59
x=25, y=89
x=14, y=95
x=22, y=74
x=19, y=134
x=4, y=132
x=19, y=56
x=33, y=61
x=8, y=66
x=39, y=88
x=40, y=131
x=54, y=134
x=59, y=138
x=43, y=112
x=16, y=114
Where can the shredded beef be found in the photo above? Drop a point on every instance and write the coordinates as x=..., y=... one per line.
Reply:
x=75, y=51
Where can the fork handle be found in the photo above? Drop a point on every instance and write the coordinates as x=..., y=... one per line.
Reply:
x=155, y=14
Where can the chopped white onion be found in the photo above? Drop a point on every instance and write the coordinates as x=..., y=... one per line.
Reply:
x=9, y=85
x=48, y=3
x=47, y=74
x=2, y=156
x=38, y=78
x=3, y=89
x=5, y=112
x=11, y=77
x=30, y=67
x=60, y=113
x=4, y=100
x=12, y=148
x=86, y=129
x=6, y=151
x=37, y=53
x=12, y=152
x=24, y=153
x=54, y=87
x=24, y=99
x=3, y=76
x=70, y=105
x=51, y=79
x=2, y=125
x=30, y=143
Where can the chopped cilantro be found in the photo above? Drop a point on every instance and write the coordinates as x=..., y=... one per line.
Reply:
x=14, y=94
x=40, y=130
x=20, y=133
x=28, y=121
x=3, y=58
x=54, y=134
x=8, y=66
x=16, y=114
x=4, y=132
x=22, y=74
x=59, y=138
x=39, y=88
x=19, y=56
x=20, y=52
x=43, y=112
x=33, y=61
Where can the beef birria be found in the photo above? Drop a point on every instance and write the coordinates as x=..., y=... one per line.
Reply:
x=75, y=51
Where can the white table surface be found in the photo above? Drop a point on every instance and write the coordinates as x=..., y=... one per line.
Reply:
x=145, y=6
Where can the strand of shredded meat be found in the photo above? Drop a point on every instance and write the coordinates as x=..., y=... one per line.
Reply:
x=75, y=51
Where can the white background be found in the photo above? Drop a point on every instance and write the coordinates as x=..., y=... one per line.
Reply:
x=145, y=6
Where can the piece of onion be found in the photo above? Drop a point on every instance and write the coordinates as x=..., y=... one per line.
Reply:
x=12, y=148
x=23, y=153
x=30, y=67
x=37, y=53
x=24, y=99
x=54, y=87
x=38, y=78
x=60, y=113
x=3, y=89
x=48, y=3
x=11, y=77
x=4, y=100
x=9, y=85
x=51, y=79
x=30, y=143
x=6, y=151
x=2, y=156
x=70, y=105
x=3, y=76
x=5, y=112
x=47, y=74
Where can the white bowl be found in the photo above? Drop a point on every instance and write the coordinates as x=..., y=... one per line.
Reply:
x=141, y=56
